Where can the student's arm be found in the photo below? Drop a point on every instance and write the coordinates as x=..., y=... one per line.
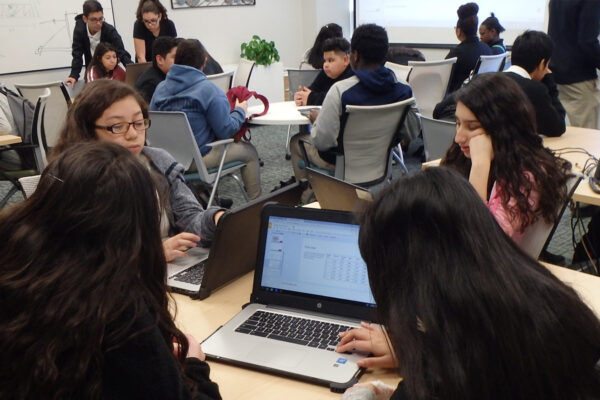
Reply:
x=319, y=89
x=115, y=39
x=223, y=121
x=481, y=152
x=77, y=50
x=550, y=113
x=326, y=128
x=140, y=50
x=370, y=339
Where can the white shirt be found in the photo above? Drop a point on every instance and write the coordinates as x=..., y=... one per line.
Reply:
x=94, y=39
x=519, y=71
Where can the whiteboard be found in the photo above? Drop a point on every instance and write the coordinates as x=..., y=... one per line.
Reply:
x=37, y=34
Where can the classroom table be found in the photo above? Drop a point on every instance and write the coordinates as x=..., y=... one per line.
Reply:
x=563, y=146
x=201, y=317
x=6, y=140
x=280, y=113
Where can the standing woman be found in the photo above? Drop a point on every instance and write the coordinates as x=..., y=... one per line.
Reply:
x=489, y=33
x=497, y=150
x=469, y=49
x=151, y=23
x=85, y=311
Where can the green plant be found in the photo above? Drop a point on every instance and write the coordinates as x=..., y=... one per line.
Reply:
x=260, y=51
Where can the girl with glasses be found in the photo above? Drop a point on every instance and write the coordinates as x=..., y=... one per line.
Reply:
x=111, y=111
x=151, y=22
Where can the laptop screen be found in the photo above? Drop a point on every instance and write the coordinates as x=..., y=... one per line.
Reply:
x=315, y=257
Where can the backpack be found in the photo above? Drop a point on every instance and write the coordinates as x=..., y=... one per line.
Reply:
x=241, y=93
x=22, y=111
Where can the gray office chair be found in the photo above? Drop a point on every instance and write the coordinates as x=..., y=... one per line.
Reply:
x=54, y=114
x=538, y=235
x=222, y=80
x=429, y=82
x=438, y=135
x=296, y=78
x=171, y=131
x=243, y=73
x=494, y=63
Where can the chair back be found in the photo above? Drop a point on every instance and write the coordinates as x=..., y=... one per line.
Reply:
x=300, y=77
x=537, y=236
x=133, y=72
x=429, y=82
x=368, y=136
x=57, y=104
x=222, y=80
x=401, y=71
x=243, y=73
x=171, y=131
x=438, y=135
x=494, y=63
x=38, y=136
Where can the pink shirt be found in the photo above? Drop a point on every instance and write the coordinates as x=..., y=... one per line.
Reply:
x=509, y=224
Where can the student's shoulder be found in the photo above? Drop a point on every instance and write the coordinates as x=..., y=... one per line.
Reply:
x=345, y=84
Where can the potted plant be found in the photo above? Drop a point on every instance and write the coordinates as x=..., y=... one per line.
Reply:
x=267, y=75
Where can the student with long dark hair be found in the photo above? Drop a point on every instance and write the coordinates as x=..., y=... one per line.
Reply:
x=497, y=149
x=85, y=312
x=105, y=64
x=314, y=55
x=468, y=314
x=151, y=22
x=469, y=49
x=111, y=111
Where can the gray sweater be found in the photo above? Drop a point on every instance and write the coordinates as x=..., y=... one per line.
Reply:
x=185, y=213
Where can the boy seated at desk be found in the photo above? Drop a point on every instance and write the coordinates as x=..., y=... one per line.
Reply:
x=336, y=67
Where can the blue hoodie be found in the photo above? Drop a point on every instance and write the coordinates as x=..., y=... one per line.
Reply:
x=187, y=89
x=375, y=88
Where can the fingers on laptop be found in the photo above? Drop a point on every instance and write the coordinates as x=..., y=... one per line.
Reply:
x=176, y=246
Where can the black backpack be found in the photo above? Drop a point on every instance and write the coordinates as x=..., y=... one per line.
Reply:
x=22, y=111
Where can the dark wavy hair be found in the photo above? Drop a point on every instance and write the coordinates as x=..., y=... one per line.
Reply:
x=506, y=114
x=467, y=18
x=90, y=104
x=315, y=55
x=153, y=6
x=493, y=322
x=81, y=261
x=101, y=49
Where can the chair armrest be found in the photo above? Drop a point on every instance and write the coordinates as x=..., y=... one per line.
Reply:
x=219, y=143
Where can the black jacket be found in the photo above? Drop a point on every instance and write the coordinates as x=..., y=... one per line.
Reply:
x=467, y=54
x=322, y=84
x=81, y=45
x=574, y=26
x=148, y=81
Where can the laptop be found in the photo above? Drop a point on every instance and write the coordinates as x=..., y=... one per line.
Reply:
x=133, y=71
x=335, y=194
x=310, y=283
x=207, y=270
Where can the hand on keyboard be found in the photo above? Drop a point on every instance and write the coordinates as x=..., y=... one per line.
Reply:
x=369, y=338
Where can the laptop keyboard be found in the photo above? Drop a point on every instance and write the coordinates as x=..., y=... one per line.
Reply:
x=303, y=331
x=192, y=275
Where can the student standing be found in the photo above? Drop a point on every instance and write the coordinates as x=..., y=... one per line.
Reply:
x=105, y=64
x=468, y=315
x=574, y=25
x=497, y=149
x=469, y=49
x=90, y=29
x=82, y=287
x=151, y=22
x=336, y=67
x=111, y=111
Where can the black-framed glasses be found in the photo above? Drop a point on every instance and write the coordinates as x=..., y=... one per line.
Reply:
x=96, y=20
x=151, y=21
x=123, y=127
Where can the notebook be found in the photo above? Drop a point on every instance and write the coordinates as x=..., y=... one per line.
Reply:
x=205, y=271
x=335, y=194
x=133, y=71
x=309, y=277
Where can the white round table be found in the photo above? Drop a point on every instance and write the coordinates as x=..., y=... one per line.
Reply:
x=280, y=113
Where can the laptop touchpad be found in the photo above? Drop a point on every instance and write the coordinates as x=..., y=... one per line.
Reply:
x=276, y=355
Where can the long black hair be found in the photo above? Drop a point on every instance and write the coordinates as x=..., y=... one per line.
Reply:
x=506, y=114
x=81, y=261
x=493, y=323
x=315, y=55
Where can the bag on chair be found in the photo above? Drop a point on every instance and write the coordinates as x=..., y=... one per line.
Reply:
x=241, y=93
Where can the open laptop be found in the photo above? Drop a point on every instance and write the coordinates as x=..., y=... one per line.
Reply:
x=233, y=250
x=309, y=277
x=133, y=71
x=335, y=194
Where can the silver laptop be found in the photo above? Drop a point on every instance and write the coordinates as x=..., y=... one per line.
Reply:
x=205, y=271
x=335, y=194
x=310, y=283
